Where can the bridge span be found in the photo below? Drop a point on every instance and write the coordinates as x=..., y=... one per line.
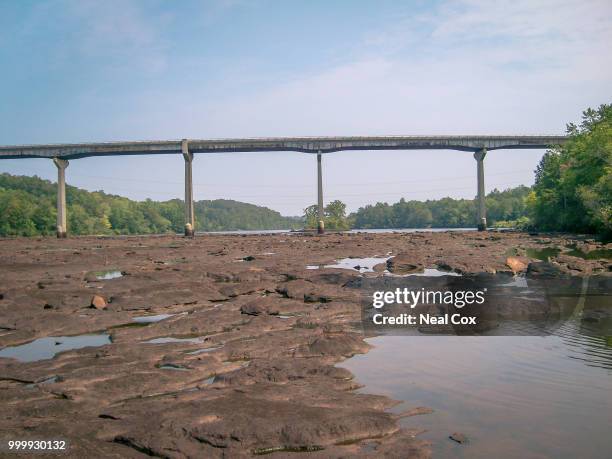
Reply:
x=478, y=145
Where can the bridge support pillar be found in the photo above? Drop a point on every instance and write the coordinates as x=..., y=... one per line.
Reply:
x=479, y=156
x=61, y=164
x=189, y=211
x=320, y=224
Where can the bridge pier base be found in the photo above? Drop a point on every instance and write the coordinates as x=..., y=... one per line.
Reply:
x=61, y=164
x=320, y=225
x=479, y=156
x=189, y=211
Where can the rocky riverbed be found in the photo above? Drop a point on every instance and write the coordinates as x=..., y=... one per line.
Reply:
x=223, y=345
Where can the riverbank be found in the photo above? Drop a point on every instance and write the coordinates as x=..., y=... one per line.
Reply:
x=236, y=354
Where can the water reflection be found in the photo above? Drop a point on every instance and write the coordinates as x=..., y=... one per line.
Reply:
x=171, y=339
x=513, y=396
x=363, y=265
x=152, y=318
x=368, y=264
x=47, y=348
x=108, y=275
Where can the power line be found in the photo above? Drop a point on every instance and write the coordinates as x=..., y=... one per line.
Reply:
x=276, y=186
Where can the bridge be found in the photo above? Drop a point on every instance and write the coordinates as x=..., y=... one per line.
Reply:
x=478, y=145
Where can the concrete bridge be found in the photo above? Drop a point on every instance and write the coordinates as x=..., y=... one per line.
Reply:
x=478, y=145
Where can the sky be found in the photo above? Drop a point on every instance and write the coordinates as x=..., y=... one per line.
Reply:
x=110, y=70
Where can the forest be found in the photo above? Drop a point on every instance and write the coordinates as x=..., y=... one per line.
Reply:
x=28, y=208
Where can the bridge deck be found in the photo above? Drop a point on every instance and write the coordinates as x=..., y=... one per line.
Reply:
x=300, y=144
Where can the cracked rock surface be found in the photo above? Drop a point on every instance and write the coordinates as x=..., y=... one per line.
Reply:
x=238, y=357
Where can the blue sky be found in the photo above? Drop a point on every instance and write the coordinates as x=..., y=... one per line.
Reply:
x=81, y=70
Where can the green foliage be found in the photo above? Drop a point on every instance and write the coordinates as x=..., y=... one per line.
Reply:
x=522, y=223
x=225, y=214
x=573, y=186
x=334, y=216
x=28, y=208
x=443, y=213
x=311, y=216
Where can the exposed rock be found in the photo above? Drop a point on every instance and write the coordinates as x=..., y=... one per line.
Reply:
x=255, y=383
x=345, y=345
x=306, y=291
x=458, y=437
x=543, y=269
x=98, y=302
x=262, y=305
x=404, y=263
x=516, y=264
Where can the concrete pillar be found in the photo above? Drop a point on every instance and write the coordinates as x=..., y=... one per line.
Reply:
x=62, y=229
x=189, y=212
x=321, y=225
x=479, y=156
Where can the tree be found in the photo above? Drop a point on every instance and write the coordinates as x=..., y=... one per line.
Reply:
x=335, y=216
x=573, y=187
x=311, y=216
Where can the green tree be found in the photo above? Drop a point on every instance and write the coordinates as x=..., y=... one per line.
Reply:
x=335, y=216
x=573, y=183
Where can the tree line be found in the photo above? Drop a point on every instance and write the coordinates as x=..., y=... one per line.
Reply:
x=28, y=208
x=504, y=208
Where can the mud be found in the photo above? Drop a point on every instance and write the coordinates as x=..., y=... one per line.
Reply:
x=249, y=383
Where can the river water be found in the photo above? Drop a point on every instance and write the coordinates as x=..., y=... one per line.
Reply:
x=512, y=396
x=364, y=230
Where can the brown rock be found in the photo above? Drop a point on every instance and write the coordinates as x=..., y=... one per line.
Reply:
x=516, y=265
x=261, y=305
x=458, y=437
x=98, y=302
x=404, y=264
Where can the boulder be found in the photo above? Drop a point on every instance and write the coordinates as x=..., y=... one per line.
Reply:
x=516, y=264
x=458, y=437
x=262, y=305
x=98, y=302
x=543, y=269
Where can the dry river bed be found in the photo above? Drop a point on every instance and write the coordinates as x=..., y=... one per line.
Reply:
x=239, y=356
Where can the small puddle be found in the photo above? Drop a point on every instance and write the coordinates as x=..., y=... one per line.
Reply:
x=171, y=339
x=152, y=319
x=107, y=275
x=204, y=351
x=427, y=272
x=49, y=347
x=363, y=265
x=172, y=366
x=49, y=380
x=366, y=265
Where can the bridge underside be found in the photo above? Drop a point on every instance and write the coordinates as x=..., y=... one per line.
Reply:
x=479, y=145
